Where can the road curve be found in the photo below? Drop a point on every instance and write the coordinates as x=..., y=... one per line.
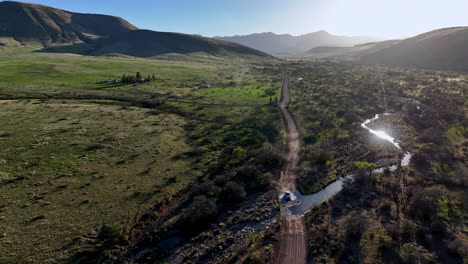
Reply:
x=292, y=241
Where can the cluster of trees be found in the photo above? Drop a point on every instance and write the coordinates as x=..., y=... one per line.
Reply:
x=243, y=169
x=239, y=175
x=137, y=78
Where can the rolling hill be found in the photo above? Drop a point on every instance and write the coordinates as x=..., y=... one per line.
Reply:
x=62, y=31
x=147, y=43
x=285, y=44
x=443, y=49
x=31, y=23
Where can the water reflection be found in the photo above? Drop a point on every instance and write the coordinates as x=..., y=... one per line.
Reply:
x=380, y=134
x=301, y=204
x=307, y=202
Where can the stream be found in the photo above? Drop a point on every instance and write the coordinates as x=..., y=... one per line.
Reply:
x=301, y=204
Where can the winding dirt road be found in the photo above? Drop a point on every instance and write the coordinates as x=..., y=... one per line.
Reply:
x=292, y=244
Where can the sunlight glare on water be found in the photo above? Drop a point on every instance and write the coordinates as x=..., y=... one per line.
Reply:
x=381, y=134
x=304, y=203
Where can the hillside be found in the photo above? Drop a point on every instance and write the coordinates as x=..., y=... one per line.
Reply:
x=443, y=49
x=287, y=44
x=30, y=23
x=62, y=31
x=147, y=43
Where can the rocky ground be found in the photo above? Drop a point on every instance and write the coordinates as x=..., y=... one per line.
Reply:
x=235, y=231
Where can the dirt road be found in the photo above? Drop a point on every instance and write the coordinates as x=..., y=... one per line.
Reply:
x=292, y=244
x=288, y=175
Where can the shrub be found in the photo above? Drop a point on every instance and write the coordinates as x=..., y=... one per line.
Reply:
x=267, y=158
x=233, y=193
x=200, y=212
x=257, y=257
x=222, y=179
x=411, y=253
x=238, y=155
x=252, y=176
x=356, y=225
x=111, y=232
x=205, y=188
x=363, y=165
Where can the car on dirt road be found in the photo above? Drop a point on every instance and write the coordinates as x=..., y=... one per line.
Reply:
x=287, y=196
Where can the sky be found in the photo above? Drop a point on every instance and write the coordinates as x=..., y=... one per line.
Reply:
x=377, y=18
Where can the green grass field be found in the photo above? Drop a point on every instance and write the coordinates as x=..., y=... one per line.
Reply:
x=252, y=93
x=69, y=167
x=26, y=68
x=77, y=155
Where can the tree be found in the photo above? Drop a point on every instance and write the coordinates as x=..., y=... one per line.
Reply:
x=153, y=78
x=131, y=79
x=138, y=75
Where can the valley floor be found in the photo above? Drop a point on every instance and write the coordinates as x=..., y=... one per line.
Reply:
x=173, y=171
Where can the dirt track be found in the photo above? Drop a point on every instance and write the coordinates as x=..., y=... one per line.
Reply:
x=292, y=244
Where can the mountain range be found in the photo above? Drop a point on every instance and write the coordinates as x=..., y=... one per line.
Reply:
x=49, y=29
x=442, y=49
x=58, y=30
x=285, y=44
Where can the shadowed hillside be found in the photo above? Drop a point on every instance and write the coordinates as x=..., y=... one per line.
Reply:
x=88, y=34
x=147, y=43
x=443, y=49
x=31, y=23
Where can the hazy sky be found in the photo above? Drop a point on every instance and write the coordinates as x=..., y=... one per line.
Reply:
x=381, y=18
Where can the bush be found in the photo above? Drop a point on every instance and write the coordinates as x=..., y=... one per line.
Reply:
x=257, y=257
x=238, y=155
x=363, y=165
x=252, y=176
x=111, y=232
x=200, y=212
x=267, y=158
x=411, y=253
x=233, y=193
x=205, y=188
x=356, y=225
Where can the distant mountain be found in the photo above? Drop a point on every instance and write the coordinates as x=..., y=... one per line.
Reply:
x=347, y=53
x=287, y=44
x=443, y=49
x=28, y=23
x=147, y=43
x=324, y=50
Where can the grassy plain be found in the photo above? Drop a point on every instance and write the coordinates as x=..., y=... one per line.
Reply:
x=76, y=155
x=69, y=167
